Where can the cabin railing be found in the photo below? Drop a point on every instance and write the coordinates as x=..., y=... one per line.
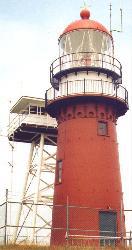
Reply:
x=19, y=119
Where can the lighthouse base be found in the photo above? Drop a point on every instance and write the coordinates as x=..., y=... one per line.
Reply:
x=84, y=226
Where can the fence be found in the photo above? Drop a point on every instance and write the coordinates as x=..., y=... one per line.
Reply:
x=70, y=225
x=79, y=225
x=3, y=223
x=25, y=228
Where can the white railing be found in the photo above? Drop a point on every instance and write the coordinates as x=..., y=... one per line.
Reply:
x=88, y=87
x=43, y=120
x=84, y=60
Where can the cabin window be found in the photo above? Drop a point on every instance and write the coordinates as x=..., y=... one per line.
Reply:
x=36, y=110
x=102, y=128
x=107, y=227
x=41, y=111
x=32, y=109
x=59, y=172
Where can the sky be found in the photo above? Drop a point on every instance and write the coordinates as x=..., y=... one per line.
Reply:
x=29, y=32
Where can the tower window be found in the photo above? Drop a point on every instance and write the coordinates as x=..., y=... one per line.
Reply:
x=102, y=128
x=59, y=172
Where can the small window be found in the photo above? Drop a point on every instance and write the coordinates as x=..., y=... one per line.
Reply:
x=102, y=128
x=36, y=110
x=59, y=172
x=40, y=111
x=32, y=109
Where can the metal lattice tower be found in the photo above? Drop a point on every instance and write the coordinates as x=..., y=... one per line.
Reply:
x=33, y=125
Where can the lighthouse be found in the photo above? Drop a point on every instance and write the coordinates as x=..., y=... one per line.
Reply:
x=87, y=97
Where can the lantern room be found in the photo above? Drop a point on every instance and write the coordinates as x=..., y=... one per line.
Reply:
x=85, y=45
x=86, y=35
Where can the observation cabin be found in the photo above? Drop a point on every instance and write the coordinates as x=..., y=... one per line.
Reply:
x=86, y=67
x=28, y=119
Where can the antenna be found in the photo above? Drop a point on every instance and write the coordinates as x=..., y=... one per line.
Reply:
x=115, y=30
x=121, y=20
x=110, y=16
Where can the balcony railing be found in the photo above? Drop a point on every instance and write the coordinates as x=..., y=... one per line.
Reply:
x=29, y=119
x=87, y=87
x=83, y=60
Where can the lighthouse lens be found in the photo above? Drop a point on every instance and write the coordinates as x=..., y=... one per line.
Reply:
x=86, y=41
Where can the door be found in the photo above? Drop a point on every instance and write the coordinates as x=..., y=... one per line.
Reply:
x=107, y=227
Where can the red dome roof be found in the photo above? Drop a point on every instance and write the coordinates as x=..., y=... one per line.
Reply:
x=85, y=23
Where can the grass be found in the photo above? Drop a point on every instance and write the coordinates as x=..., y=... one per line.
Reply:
x=35, y=247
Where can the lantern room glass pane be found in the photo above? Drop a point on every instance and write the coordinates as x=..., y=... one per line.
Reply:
x=86, y=41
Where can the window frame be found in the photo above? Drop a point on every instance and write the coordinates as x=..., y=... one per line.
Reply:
x=105, y=133
x=59, y=172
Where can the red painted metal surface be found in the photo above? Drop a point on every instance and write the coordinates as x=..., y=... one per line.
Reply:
x=85, y=14
x=90, y=167
x=85, y=23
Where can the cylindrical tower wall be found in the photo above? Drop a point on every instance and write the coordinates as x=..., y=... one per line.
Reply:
x=90, y=173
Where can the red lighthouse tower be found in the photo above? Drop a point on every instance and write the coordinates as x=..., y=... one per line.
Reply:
x=86, y=98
